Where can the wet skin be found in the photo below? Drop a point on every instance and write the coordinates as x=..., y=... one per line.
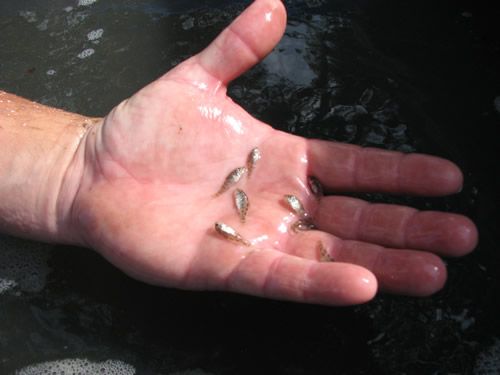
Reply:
x=146, y=176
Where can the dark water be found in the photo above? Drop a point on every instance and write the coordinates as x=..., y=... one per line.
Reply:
x=409, y=76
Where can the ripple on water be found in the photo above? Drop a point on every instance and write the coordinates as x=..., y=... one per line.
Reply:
x=496, y=103
x=488, y=362
x=191, y=372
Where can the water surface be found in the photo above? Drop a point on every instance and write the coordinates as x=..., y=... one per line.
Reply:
x=392, y=74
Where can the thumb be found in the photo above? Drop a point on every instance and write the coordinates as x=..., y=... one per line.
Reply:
x=246, y=41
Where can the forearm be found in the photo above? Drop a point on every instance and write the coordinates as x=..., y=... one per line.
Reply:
x=38, y=176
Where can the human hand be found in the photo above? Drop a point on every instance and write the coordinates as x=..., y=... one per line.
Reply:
x=146, y=179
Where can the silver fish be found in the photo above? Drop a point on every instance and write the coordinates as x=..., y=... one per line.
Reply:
x=230, y=234
x=296, y=205
x=324, y=256
x=302, y=225
x=252, y=159
x=315, y=186
x=241, y=202
x=231, y=179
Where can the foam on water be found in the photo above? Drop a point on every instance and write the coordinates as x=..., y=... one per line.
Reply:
x=80, y=367
x=84, y=3
x=86, y=53
x=95, y=34
x=23, y=265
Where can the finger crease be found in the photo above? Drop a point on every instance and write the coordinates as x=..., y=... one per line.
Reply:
x=234, y=272
x=270, y=271
x=358, y=216
x=247, y=45
x=406, y=225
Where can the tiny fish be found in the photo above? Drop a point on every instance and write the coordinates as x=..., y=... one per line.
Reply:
x=232, y=179
x=323, y=254
x=315, y=186
x=296, y=205
x=241, y=202
x=230, y=234
x=302, y=225
x=252, y=159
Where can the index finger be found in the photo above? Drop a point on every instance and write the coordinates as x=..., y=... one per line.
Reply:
x=342, y=167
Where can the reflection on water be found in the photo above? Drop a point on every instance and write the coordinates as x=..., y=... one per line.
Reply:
x=339, y=73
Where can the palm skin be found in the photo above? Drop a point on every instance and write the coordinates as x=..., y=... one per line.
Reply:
x=152, y=167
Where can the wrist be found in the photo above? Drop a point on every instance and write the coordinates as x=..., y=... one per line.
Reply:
x=40, y=170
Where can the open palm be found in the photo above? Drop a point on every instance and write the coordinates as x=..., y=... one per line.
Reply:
x=147, y=199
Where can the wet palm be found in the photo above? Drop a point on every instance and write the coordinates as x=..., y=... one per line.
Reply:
x=152, y=189
x=152, y=168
